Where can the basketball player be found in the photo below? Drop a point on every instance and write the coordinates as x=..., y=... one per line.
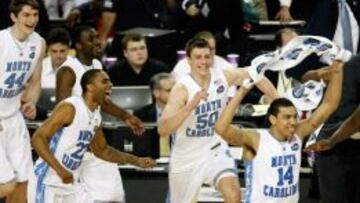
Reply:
x=198, y=154
x=272, y=156
x=102, y=178
x=62, y=140
x=21, y=53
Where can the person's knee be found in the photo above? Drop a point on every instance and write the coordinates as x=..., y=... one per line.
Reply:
x=7, y=189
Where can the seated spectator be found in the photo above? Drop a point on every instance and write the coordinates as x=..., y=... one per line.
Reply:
x=58, y=41
x=136, y=68
x=160, y=85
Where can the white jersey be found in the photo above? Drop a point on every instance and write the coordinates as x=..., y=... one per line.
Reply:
x=273, y=175
x=69, y=144
x=48, y=74
x=196, y=136
x=79, y=70
x=17, y=62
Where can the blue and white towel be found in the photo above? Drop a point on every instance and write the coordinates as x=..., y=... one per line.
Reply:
x=296, y=51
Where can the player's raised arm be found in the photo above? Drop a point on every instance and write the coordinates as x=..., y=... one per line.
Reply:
x=329, y=104
x=231, y=133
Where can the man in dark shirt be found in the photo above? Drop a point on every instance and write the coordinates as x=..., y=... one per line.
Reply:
x=136, y=68
x=338, y=168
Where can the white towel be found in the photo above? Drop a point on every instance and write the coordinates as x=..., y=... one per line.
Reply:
x=296, y=51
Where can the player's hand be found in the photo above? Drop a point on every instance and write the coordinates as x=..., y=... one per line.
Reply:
x=29, y=110
x=65, y=176
x=321, y=145
x=200, y=95
x=247, y=85
x=145, y=162
x=284, y=15
x=135, y=124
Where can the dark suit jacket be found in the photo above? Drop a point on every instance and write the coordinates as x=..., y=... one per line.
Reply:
x=147, y=113
x=324, y=19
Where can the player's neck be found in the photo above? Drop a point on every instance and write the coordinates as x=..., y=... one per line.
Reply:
x=86, y=60
x=201, y=80
x=90, y=102
x=17, y=34
x=276, y=134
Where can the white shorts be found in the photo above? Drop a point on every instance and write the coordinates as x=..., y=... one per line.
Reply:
x=185, y=186
x=15, y=150
x=39, y=193
x=102, y=179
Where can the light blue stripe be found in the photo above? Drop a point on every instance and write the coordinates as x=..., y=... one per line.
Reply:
x=248, y=180
x=42, y=168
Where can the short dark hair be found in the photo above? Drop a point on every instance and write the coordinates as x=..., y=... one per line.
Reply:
x=76, y=34
x=196, y=43
x=277, y=104
x=279, y=34
x=88, y=78
x=58, y=35
x=16, y=5
x=131, y=37
x=156, y=79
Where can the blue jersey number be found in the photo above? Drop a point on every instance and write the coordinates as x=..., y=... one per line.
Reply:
x=285, y=175
x=13, y=80
x=207, y=120
x=79, y=153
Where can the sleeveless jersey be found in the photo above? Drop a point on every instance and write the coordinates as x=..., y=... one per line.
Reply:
x=196, y=135
x=273, y=175
x=70, y=143
x=17, y=62
x=79, y=70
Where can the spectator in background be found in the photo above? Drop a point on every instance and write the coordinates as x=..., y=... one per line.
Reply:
x=88, y=13
x=160, y=85
x=58, y=9
x=327, y=22
x=58, y=41
x=216, y=16
x=127, y=14
x=136, y=68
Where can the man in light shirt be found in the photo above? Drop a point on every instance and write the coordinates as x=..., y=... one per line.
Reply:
x=58, y=41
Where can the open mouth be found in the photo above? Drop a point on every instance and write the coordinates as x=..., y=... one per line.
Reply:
x=108, y=95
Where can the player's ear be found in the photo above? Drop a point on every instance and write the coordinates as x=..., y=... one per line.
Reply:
x=13, y=17
x=272, y=119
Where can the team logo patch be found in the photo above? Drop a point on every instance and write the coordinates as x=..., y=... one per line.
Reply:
x=298, y=92
x=220, y=89
x=295, y=147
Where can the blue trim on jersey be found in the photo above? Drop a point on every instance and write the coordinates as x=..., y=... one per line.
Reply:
x=248, y=180
x=42, y=168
